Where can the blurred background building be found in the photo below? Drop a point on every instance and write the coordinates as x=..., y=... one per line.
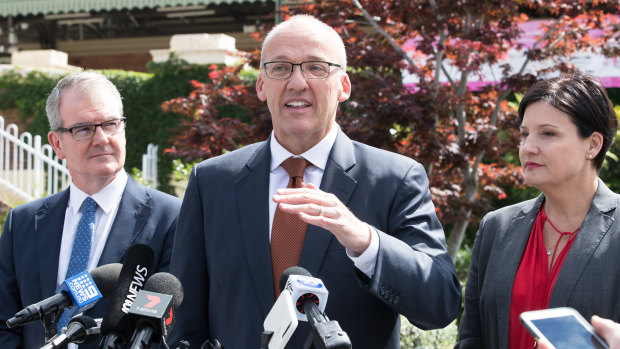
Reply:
x=119, y=34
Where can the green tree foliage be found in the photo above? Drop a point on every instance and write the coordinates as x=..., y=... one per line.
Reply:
x=610, y=173
x=28, y=94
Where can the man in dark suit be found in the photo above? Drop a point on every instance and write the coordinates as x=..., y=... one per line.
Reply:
x=372, y=234
x=87, y=129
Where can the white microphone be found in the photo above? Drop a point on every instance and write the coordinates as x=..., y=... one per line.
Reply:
x=303, y=288
x=280, y=323
x=310, y=297
x=283, y=318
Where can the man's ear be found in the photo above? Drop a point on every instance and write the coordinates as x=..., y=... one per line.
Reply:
x=345, y=84
x=259, y=88
x=54, y=139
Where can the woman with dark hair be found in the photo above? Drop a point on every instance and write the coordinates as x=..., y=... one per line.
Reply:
x=562, y=248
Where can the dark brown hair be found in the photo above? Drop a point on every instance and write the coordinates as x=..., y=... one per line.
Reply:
x=584, y=100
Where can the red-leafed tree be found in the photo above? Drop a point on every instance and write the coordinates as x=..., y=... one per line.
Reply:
x=463, y=137
x=220, y=115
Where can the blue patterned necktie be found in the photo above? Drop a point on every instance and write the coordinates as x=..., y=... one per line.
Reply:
x=81, y=247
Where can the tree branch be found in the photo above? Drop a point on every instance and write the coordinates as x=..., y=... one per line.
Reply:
x=387, y=36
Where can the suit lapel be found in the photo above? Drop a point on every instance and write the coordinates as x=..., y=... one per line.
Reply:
x=48, y=225
x=252, y=191
x=133, y=212
x=337, y=181
x=595, y=226
x=510, y=250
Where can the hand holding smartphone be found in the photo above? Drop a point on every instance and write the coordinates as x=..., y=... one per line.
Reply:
x=563, y=327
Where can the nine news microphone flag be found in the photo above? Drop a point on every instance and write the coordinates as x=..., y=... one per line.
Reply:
x=104, y=277
x=78, y=292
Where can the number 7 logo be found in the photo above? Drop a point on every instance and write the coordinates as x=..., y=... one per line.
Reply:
x=154, y=300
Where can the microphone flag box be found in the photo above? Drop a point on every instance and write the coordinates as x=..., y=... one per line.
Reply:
x=83, y=292
x=302, y=287
x=153, y=306
x=281, y=320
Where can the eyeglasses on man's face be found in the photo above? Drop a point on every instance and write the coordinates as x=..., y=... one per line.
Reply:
x=310, y=69
x=85, y=132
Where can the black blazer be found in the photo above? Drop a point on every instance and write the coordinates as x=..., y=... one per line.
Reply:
x=589, y=280
x=222, y=252
x=30, y=249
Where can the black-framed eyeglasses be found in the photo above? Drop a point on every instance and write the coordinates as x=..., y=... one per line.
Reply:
x=85, y=132
x=310, y=69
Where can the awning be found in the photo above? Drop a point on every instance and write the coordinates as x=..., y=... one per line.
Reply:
x=44, y=7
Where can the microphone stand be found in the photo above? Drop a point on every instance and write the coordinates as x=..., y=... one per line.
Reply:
x=111, y=340
x=215, y=344
x=265, y=337
x=325, y=334
x=50, y=324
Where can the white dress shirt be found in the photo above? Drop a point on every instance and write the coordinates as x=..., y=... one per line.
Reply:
x=108, y=200
x=317, y=155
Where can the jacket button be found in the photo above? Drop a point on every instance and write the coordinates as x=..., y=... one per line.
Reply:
x=382, y=292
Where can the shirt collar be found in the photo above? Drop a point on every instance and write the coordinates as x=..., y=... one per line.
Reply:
x=317, y=155
x=105, y=198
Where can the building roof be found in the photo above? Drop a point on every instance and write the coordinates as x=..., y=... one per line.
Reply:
x=46, y=7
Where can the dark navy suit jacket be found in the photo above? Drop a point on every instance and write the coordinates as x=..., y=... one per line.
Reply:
x=30, y=248
x=222, y=253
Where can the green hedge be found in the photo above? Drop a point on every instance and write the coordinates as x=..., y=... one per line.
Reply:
x=142, y=95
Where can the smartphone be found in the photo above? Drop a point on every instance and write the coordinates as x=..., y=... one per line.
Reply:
x=563, y=327
x=281, y=320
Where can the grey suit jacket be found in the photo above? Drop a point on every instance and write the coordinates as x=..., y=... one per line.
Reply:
x=222, y=252
x=30, y=249
x=589, y=280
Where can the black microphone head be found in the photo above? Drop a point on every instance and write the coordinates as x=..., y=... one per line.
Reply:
x=106, y=277
x=295, y=270
x=85, y=321
x=132, y=277
x=166, y=283
x=167, y=290
x=80, y=336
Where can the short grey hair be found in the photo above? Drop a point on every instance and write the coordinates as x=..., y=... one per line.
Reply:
x=309, y=21
x=86, y=84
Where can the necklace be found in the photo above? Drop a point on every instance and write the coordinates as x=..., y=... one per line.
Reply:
x=562, y=234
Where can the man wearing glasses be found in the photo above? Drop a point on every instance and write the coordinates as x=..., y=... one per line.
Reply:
x=91, y=223
x=359, y=218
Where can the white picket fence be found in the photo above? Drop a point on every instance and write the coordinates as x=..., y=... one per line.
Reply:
x=29, y=170
x=149, y=166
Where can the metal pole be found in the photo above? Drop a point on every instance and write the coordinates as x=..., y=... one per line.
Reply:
x=278, y=13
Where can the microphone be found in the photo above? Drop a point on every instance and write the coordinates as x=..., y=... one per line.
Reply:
x=302, y=286
x=310, y=297
x=135, y=271
x=152, y=313
x=106, y=277
x=80, y=329
x=280, y=323
x=78, y=293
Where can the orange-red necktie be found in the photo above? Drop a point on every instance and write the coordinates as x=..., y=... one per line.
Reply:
x=288, y=231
